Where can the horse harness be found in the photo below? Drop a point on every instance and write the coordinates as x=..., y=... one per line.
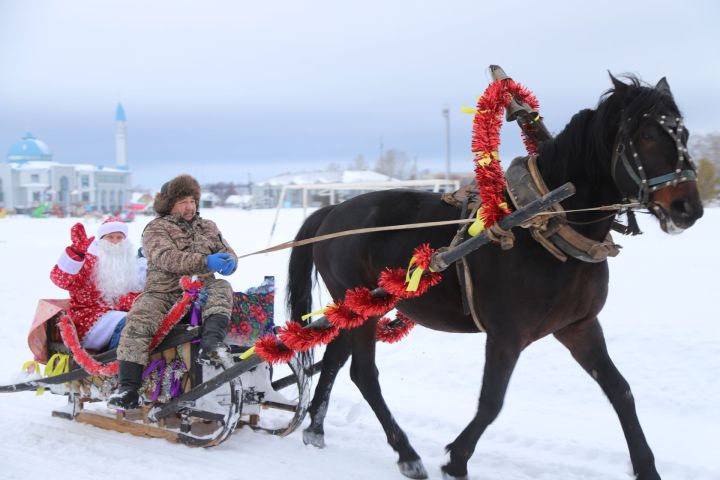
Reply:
x=525, y=184
x=684, y=169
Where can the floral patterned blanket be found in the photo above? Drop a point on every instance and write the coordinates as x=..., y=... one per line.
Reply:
x=252, y=314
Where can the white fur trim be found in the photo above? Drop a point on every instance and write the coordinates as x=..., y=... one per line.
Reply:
x=112, y=227
x=69, y=265
x=93, y=248
x=100, y=334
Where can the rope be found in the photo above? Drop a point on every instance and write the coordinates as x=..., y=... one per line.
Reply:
x=590, y=222
x=345, y=233
x=409, y=226
x=603, y=208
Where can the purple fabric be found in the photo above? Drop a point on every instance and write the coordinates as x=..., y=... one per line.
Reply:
x=159, y=365
x=195, y=317
x=152, y=367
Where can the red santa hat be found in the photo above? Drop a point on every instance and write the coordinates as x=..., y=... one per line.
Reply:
x=112, y=225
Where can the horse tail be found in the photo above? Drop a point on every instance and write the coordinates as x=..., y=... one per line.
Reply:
x=300, y=281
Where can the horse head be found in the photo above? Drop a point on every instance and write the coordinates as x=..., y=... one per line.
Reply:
x=650, y=161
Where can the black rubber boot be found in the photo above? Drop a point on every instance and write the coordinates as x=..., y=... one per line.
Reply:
x=129, y=378
x=212, y=348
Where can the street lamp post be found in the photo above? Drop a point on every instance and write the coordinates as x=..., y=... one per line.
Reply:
x=446, y=114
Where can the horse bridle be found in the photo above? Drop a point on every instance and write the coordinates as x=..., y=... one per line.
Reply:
x=674, y=127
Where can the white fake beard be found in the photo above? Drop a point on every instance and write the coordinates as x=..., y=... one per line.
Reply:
x=116, y=271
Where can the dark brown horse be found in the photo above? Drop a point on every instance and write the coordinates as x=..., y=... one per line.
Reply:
x=631, y=147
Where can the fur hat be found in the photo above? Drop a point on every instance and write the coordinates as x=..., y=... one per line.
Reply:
x=112, y=225
x=172, y=191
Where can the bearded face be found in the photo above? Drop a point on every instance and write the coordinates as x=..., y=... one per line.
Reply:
x=116, y=271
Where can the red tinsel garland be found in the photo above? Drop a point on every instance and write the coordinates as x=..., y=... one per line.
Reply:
x=269, y=349
x=422, y=255
x=358, y=306
x=386, y=333
x=360, y=300
x=392, y=280
x=485, y=143
x=80, y=355
x=300, y=339
x=342, y=316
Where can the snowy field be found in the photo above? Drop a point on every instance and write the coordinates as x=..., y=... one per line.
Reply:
x=661, y=327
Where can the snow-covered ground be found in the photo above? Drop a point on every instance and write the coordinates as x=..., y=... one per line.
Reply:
x=661, y=328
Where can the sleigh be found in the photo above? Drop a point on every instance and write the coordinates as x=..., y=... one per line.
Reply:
x=183, y=401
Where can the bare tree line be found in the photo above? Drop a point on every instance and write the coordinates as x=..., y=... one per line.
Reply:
x=705, y=151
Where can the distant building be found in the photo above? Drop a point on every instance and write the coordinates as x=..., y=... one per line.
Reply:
x=267, y=193
x=319, y=188
x=208, y=200
x=239, y=201
x=30, y=178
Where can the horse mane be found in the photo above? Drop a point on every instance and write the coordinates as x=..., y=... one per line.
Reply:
x=586, y=141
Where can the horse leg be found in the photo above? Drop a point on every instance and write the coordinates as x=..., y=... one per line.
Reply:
x=586, y=342
x=501, y=355
x=364, y=374
x=336, y=354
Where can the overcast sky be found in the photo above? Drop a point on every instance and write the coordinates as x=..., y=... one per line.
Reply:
x=227, y=89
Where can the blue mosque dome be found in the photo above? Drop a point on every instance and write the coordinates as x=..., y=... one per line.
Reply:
x=119, y=113
x=29, y=149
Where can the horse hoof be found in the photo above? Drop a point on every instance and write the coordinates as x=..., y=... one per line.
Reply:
x=447, y=476
x=314, y=439
x=413, y=469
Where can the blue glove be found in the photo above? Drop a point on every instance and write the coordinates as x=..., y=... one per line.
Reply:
x=217, y=262
x=229, y=267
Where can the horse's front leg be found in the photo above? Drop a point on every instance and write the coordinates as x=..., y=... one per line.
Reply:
x=586, y=342
x=364, y=374
x=501, y=355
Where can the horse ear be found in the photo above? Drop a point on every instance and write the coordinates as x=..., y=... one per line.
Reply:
x=663, y=86
x=619, y=86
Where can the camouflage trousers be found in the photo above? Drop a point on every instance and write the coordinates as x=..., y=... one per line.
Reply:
x=150, y=309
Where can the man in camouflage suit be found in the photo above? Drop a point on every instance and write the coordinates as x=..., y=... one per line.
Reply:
x=178, y=242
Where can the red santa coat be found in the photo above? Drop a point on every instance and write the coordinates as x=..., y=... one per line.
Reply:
x=87, y=304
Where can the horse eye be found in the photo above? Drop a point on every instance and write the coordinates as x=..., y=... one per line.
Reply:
x=647, y=135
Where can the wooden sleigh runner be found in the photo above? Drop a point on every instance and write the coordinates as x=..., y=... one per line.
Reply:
x=184, y=401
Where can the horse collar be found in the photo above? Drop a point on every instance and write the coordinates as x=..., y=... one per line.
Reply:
x=525, y=184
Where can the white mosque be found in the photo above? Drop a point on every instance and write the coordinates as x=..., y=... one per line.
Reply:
x=31, y=178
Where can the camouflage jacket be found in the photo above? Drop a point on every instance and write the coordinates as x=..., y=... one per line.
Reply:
x=175, y=247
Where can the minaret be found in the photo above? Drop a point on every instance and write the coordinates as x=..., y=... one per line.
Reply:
x=120, y=138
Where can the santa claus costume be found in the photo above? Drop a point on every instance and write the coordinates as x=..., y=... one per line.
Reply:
x=103, y=279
